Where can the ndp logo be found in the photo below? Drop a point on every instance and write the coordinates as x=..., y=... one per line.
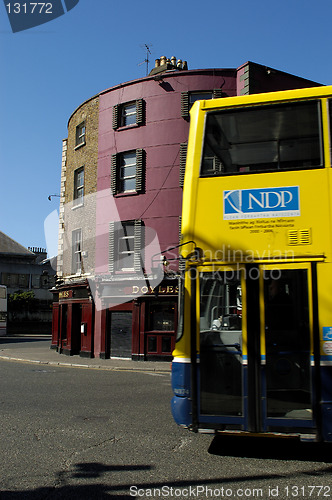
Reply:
x=24, y=15
x=261, y=203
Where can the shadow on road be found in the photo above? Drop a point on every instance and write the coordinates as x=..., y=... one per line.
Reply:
x=84, y=491
x=274, y=448
x=111, y=489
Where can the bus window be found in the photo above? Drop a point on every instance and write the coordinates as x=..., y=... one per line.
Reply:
x=221, y=306
x=263, y=138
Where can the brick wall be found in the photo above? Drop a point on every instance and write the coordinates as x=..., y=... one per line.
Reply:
x=82, y=216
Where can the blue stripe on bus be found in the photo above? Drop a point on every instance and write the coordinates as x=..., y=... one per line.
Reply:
x=181, y=402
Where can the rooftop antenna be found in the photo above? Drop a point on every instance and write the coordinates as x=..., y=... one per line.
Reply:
x=146, y=60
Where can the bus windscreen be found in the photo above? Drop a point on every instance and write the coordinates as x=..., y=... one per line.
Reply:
x=264, y=138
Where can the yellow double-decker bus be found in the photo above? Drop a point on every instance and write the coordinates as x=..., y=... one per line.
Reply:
x=254, y=347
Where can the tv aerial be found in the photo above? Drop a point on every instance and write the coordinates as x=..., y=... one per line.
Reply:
x=146, y=61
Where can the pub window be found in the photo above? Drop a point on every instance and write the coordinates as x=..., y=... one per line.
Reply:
x=152, y=344
x=161, y=316
x=166, y=344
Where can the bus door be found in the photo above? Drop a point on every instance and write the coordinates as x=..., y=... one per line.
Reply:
x=256, y=349
x=287, y=348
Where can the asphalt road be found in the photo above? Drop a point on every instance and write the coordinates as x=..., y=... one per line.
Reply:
x=75, y=433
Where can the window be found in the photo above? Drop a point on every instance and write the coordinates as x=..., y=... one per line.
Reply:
x=275, y=137
x=127, y=172
x=24, y=280
x=77, y=251
x=80, y=134
x=188, y=99
x=14, y=280
x=161, y=316
x=35, y=281
x=78, y=186
x=128, y=114
x=125, y=246
x=198, y=96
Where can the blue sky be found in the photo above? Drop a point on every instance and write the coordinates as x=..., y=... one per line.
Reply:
x=49, y=70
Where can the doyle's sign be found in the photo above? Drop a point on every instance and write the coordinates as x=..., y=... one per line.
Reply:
x=162, y=290
x=261, y=203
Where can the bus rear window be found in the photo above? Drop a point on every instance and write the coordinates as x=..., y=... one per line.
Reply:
x=263, y=138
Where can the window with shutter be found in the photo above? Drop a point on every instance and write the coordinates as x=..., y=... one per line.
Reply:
x=188, y=99
x=125, y=246
x=128, y=114
x=127, y=172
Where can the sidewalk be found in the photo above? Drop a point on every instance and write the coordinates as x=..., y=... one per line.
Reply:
x=36, y=349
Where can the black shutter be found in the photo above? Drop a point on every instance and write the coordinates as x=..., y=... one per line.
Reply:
x=114, y=174
x=111, y=247
x=185, y=105
x=183, y=158
x=140, y=170
x=140, y=115
x=115, y=121
x=138, y=246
